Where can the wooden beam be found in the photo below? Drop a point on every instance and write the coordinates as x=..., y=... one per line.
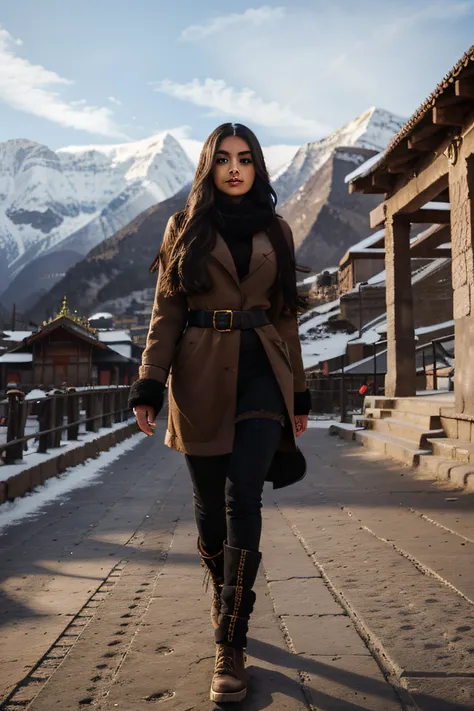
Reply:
x=464, y=88
x=431, y=216
x=422, y=133
x=440, y=253
x=449, y=115
x=432, y=237
x=377, y=216
x=368, y=253
x=426, y=145
x=382, y=182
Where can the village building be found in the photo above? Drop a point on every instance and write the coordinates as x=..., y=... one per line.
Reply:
x=67, y=350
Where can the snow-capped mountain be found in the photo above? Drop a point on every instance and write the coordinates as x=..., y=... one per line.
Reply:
x=47, y=197
x=372, y=130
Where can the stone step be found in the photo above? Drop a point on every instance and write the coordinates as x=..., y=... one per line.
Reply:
x=454, y=449
x=419, y=405
x=401, y=449
x=344, y=430
x=377, y=413
x=428, y=422
x=458, y=474
x=404, y=430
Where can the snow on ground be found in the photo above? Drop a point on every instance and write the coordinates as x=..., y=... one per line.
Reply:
x=87, y=474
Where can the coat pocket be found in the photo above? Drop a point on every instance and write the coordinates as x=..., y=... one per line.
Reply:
x=186, y=348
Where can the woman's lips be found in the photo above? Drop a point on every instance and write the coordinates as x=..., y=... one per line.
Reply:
x=234, y=183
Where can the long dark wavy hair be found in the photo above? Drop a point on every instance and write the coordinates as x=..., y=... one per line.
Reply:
x=194, y=236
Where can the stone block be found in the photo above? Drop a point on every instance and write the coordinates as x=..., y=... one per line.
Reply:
x=450, y=427
x=464, y=430
x=330, y=635
x=35, y=477
x=18, y=485
x=459, y=271
x=49, y=468
x=91, y=450
x=462, y=302
x=65, y=461
x=459, y=475
x=307, y=597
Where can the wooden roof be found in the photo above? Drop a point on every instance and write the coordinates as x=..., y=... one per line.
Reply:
x=438, y=118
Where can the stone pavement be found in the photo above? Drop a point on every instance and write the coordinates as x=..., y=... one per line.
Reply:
x=364, y=600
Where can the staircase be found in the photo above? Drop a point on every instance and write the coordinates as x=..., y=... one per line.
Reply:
x=402, y=428
x=421, y=432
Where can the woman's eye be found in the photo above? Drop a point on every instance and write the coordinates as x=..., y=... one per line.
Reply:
x=221, y=160
x=246, y=160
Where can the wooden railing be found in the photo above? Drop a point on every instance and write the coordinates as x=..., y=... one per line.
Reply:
x=58, y=413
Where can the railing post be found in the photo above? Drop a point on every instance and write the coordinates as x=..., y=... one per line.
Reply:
x=72, y=414
x=435, y=370
x=116, y=405
x=106, y=409
x=16, y=425
x=44, y=417
x=343, y=391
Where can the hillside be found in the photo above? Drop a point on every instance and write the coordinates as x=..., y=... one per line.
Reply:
x=325, y=219
x=116, y=267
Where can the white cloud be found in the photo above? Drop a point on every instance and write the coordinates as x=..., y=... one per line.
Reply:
x=32, y=88
x=224, y=100
x=115, y=101
x=252, y=16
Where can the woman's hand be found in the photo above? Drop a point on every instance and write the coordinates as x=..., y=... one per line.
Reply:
x=301, y=422
x=145, y=418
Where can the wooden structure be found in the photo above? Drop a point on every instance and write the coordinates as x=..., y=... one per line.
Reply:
x=431, y=158
x=66, y=350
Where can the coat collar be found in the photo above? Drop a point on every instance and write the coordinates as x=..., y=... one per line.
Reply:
x=261, y=248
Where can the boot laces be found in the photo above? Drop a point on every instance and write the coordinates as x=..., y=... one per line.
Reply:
x=225, y=663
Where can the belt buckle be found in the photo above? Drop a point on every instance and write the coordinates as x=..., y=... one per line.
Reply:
x=222, y=311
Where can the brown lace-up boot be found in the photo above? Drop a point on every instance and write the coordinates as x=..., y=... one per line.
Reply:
x=214, y=565
x=240, y=571
x=229, y=682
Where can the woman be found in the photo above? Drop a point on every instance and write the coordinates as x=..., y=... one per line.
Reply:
x=224, y=329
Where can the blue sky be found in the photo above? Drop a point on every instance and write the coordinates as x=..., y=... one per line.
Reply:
x=103, y=71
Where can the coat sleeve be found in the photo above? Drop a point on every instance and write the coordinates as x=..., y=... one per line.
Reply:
x=168, y=320
x=287, y=326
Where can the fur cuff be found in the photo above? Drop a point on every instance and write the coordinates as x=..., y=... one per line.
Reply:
x=147, y=391
x=302, y=403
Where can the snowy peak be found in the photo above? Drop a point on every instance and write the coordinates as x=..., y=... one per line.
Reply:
x=47, y=196
x=372, y=130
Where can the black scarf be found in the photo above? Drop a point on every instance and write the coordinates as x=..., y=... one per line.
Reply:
x=237, y=223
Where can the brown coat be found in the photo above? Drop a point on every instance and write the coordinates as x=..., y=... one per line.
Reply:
x=202, y=363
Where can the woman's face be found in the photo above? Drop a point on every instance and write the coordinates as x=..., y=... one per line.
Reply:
x=233, y=170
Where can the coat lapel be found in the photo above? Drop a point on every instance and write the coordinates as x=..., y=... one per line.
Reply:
x=262, y=249
x=221, y=252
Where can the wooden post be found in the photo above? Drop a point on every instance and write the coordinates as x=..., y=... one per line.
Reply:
x=72, y=413
x=45, y=421
x=400, y=380
x=435, y=370
x=15, y=426
x=106, y=408
x=343, y=391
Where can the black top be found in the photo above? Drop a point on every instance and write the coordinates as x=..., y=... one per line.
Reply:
x=237, y=223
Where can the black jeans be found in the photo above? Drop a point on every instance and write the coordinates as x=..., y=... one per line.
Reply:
x=228, y=488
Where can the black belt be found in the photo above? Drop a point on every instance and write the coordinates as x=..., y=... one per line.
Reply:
x=224, y=320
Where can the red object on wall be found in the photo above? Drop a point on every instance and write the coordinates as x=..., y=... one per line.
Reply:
x=104, y=377
x=13, y=377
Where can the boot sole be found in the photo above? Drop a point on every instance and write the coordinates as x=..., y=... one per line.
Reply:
x=223, y=698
